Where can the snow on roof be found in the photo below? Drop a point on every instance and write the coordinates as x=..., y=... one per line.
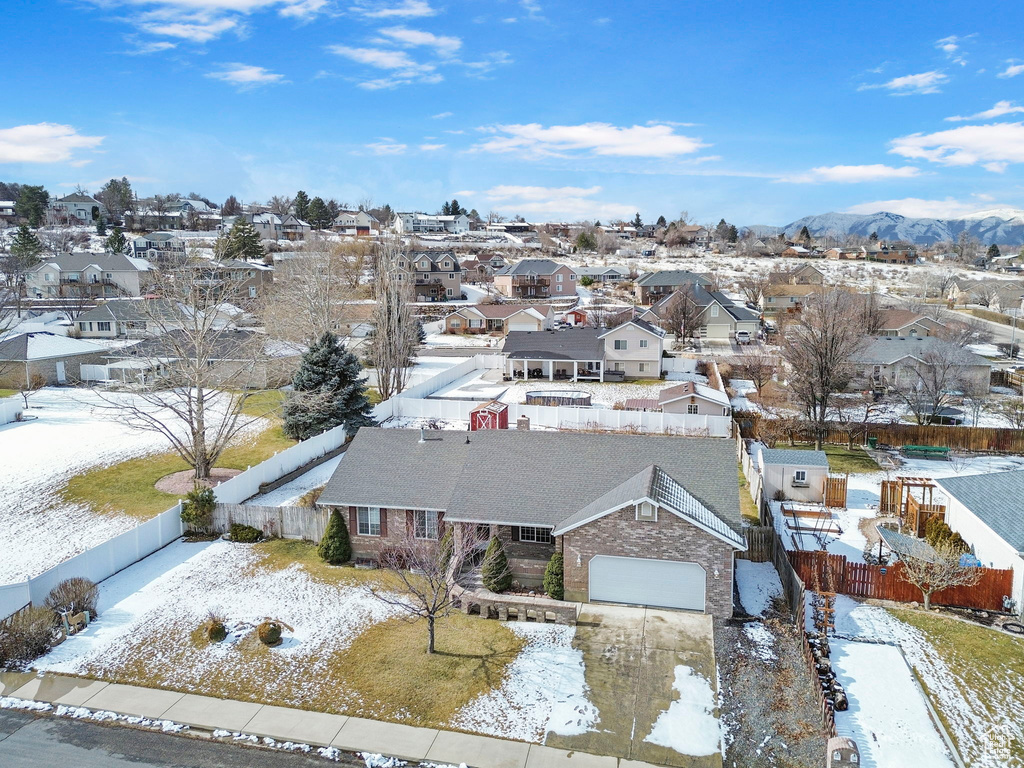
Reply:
x=44, y=345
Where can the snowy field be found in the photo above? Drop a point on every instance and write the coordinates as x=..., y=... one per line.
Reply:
x=971, y=722
x=145, y=609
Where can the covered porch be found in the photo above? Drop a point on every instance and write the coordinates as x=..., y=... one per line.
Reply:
x=553, y=370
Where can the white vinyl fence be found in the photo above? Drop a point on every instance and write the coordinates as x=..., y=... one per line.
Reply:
x=10, y=409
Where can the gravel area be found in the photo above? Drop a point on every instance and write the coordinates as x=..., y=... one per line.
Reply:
x=768, y=710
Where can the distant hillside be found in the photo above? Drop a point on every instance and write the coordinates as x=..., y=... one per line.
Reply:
x=1004, y=226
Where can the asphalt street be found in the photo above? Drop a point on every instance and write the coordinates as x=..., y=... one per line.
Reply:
x=32, y=741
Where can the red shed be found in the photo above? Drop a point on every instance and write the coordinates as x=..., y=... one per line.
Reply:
x=576, y=317
x=492, y=415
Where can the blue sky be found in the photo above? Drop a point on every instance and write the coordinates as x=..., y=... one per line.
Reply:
x=756, y=112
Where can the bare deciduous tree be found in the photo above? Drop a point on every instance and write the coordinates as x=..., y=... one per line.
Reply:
x=280, y=205
x=818, y=347
x=1012, y=412
x=753, y=285
x=395, y=333
x=424, y=576
x=682, y=314
x=197, y=405
x=758, y=365
x=933, y=573
x=931, y=383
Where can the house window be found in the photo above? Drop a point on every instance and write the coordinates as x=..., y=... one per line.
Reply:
x=692, y=408
x=800, y=477
x=457, y=323
x=401, y=263
x=252, y=291
x=103, y=326
x=368, y=519
x=425, y=524
x=646, y=511
x=643, y=343
x=558, y=278
x=714, y=310
x=48, y=277
x=619, y=367
x=620, y=343
x=572, y=276
x=643, y=367
x=451, y=275
x=535, y=535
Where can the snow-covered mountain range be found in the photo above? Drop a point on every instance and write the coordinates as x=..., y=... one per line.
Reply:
x=1001, y=225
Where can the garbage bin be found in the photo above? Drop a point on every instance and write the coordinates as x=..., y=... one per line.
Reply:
x=872, y=442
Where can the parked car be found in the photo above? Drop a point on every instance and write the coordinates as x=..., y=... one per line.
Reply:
x=742, y=337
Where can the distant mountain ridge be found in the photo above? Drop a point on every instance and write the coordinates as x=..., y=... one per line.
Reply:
x=1004, y=226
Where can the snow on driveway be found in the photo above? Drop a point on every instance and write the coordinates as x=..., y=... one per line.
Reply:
x=888, y=716
x=689, y=725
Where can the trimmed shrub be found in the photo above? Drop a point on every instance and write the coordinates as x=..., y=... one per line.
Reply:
x=269, y=633
x=497, y=576
x=26, y=636
x=245, y=534
x=554, y=575
x=213, y=628
x=938, y=533
x=74, y=595
x=335, y=547
x=197, y=510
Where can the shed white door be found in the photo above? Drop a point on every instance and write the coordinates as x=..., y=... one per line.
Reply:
x=62, y=377
x=662, y=583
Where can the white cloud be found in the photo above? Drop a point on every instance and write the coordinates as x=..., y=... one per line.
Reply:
x=991, y=146
x=851, y=174
x=440, y=115
x=925, y=82
x=43, y=143
x=408, y=9
x=594, y=138
x=1012, y=70
x=404, y=69
x=488, y=62
x=142, y=49
x=431, y=147
x=245, y=77
x=1001, y=108
x=916, y=207
x=951, y=47
x=444, y=45
x=560, y=202
x=194, y=31
x=386, y=146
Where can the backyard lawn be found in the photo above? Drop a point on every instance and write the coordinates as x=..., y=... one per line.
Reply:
x=8, y=392
x=987, y=663
x=842, y=459
x=748, y=509
x=128, y=486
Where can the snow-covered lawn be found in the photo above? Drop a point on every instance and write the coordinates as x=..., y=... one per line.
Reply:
x=149, y=612
x=484, y=341
x=290, y=493
x=601, y=394
x=888, y=716
x=980, y=720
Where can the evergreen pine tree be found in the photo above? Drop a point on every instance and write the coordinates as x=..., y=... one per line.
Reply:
x=31, y=204
x=732, y=235
x=495, y=572
x=873, y=237
x=329, y=391
x=805, y=235
x=301, y=205
x=637, y=221
x=993, y=251
x=101, y=226
x=116, y=242
x=446, y=209
x=244, y=241
x=554, y=576
x=455, y=209
x=319, y=214
x=335, y=547
x=662, y=222
x=26, y=246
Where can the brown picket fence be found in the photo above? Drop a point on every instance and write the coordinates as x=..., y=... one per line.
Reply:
x=888, y=582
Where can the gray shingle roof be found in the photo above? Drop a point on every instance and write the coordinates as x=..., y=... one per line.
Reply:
x=570, y=344
x=76, y=262
x=532, y=267
x=784, y=456
x=673, y=277
x=513, y=477
x=886, y=350
x=995, y=499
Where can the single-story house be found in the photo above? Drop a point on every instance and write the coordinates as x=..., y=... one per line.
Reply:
x=904, y=322
x=129, y=318
x=787, y=298
x=798, y=475
x=603, y=274
x=691, y=397
x=805, y=274
x=647, y=520
x=986, y=511
x=43, y=357
x=894, y=361
x=500, y=318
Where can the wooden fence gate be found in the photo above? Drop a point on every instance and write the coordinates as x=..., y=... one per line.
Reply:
x=835, y=491
x=889, y=583
x=890, y=502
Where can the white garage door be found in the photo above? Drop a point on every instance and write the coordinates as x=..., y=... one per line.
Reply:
x=662, y=583
x=523, y=326
x=718, y=331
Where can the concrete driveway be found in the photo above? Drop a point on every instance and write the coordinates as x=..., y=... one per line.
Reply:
x=630, y=656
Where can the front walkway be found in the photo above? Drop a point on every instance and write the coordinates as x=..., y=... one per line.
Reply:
x=631, y=657
x=352, y=734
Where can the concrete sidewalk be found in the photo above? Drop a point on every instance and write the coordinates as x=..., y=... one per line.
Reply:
x=352, y=734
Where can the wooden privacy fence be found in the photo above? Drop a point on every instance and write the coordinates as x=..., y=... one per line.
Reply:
x=835, y=491
x=765, y=546
x=990, y=439
x=889, y=583
x=307, y=523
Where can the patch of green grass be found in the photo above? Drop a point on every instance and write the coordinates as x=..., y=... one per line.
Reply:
x=748, y=509
x=128, y=487
x=279, y=554
x=373, y=395
x=987, y=662
x=267, y=403
x=842, y=459
x=8, y=392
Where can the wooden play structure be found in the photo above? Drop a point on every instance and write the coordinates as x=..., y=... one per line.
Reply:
x=911, y=499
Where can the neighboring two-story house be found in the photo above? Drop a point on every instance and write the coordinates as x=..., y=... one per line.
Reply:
x=355, y=223
x=654, y=286
x=163, y=248
x=787, y=298
x=649, y=520
x=436, y=275
x=78, y=208
x=718, y=316
x=93, y=275
x=293, y=228
x=410, y=223
x=535, y=279
x=634, y=348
